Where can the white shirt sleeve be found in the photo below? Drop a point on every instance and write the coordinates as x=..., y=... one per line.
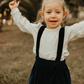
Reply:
x=75, y=31
x=23, y=23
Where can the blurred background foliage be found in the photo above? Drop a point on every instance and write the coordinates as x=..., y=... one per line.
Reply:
x=29, y=8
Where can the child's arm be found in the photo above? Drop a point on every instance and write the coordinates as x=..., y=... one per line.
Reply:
x=21, y=21
x=75, y=31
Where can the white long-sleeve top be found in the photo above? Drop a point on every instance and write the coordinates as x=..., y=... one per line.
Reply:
x=49, y=39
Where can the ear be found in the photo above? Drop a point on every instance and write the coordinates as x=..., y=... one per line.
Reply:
x=64, y=15
x=41, y=13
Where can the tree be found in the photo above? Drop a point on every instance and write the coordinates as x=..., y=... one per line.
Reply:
x=27, y=7
x=3, y=5
x=73, y=6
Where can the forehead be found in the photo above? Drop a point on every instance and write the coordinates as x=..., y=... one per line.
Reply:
x=53, y=5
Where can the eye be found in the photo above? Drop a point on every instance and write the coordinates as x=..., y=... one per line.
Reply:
x=48, y=12
x=57, y=12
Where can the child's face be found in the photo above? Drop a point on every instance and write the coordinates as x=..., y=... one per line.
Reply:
x=53, y=14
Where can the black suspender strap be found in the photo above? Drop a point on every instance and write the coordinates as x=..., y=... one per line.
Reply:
x=38, y=39
x=60, y=43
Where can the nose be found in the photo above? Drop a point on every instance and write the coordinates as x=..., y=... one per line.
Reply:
x=53, y=15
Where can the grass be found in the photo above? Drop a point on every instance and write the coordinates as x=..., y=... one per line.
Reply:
x=17, y=58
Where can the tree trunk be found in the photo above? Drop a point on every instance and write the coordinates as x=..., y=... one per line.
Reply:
x=0, y=25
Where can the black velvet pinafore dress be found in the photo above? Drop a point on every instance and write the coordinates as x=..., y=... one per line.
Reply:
x=48, y=71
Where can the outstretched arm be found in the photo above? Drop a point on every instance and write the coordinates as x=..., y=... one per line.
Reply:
x=75, y=31
x=23, y=23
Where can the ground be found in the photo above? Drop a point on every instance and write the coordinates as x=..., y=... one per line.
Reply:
x=17, y=58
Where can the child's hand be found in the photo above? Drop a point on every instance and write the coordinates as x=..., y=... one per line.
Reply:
x=13, y=4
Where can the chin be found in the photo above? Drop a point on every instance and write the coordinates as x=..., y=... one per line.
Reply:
x=54, y=26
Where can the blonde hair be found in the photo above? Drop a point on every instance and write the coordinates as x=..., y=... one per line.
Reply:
x=65, y=8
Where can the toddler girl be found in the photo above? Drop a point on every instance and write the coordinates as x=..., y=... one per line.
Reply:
x=50, y=41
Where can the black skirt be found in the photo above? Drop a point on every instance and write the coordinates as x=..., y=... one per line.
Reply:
x=49, y=72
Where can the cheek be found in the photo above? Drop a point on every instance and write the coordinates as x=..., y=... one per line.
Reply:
x=61, y=16
x=46, y=17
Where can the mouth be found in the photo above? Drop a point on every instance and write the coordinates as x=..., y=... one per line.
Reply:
x=53, y=21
